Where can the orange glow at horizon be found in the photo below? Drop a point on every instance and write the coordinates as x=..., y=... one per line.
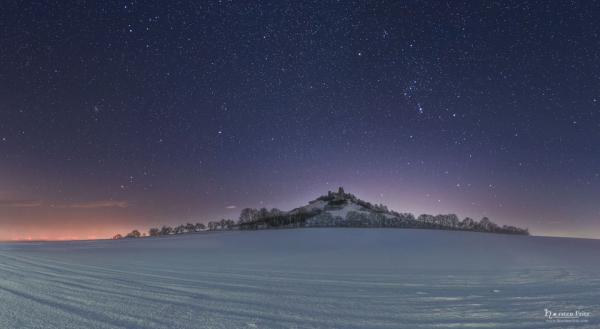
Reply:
x=66, y=232
x=62, y=237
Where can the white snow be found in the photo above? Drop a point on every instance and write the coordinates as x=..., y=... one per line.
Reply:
x=301, y=278
x=319, y=204
x=342, y=212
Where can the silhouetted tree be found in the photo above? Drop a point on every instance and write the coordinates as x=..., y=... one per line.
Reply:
x=484, y=225
x=199, y=227
x=467, y=224
x=133, y=234
x=180, y=229
x=248, y=215
x=229, y=224
x=166, y=230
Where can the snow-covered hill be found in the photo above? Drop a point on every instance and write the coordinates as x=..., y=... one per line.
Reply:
x=341, y=209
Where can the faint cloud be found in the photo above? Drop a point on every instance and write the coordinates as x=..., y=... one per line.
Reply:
x=94, y=205
x=20, y=203
x=231, y=207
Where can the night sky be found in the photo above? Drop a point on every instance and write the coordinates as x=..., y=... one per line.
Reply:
x=124, y=114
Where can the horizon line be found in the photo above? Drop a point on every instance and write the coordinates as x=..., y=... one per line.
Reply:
x=143, y=237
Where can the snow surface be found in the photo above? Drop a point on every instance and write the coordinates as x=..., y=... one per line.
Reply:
x=343, y=211
x=319, y=204
x=302, y=278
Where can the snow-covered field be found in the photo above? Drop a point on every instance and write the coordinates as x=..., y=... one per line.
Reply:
x=303, y=278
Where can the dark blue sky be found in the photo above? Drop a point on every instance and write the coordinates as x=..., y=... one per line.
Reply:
x=130, y=114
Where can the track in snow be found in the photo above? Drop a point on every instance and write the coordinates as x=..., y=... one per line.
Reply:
x=303, y=278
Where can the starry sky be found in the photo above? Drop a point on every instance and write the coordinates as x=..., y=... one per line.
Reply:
x=117, y=115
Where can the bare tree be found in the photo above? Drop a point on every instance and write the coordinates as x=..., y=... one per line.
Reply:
x=133, y=234
x=166, y=230
x=190, y=227
x=248, y=215
x=199, y=227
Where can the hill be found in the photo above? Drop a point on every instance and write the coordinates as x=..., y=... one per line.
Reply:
x=341, y=209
